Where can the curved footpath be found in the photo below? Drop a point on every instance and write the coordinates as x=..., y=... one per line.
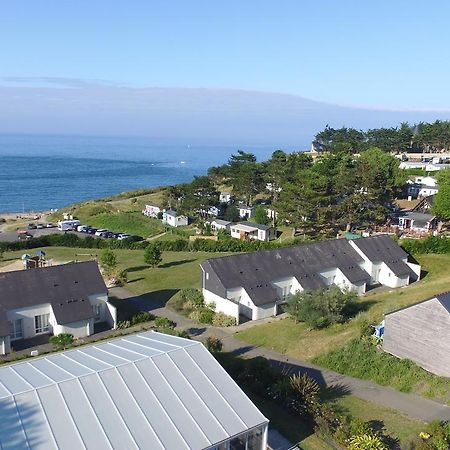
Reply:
x=412, y=405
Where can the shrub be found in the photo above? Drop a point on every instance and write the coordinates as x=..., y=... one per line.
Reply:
x=108, y=261
x=141, y=317
x=123, y=324
x=321, y=308
x=206, y=315
x=121, y=277
x=213, y=344
x=222, y=320
x=306, y=392
x=193, y=296
x=367, y=441
x=62, y=340
x=164, y=322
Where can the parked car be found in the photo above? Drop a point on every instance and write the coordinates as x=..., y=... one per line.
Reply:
x=50, y=225
x=100, y=231
x=91, y=230
x=40, y=226
x=82, y=228
x=123, y=236
x=31, y=226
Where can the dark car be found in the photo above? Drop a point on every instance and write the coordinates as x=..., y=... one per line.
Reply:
x=91, y=230
x=32, y=226
x=133, y=238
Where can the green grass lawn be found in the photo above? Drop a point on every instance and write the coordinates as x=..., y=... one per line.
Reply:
x=297, y=340
x=133, y=222
x=394, y=423
x=118, y=213
x=177, y=270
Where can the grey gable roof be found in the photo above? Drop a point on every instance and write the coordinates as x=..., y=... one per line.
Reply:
x=259, y=226
x=255, y=271
x=383, y=248
x=66, y=287
x=444, y=300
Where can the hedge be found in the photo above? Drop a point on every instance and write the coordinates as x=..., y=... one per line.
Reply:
x=224, y=244
x=431, y=244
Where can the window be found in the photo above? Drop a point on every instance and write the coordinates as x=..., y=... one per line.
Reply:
x=286, y=291
x=97, y=311
x=207, y=275
x=15, y=329
x=41, y=323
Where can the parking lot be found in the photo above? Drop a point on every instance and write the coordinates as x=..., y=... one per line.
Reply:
x=11, y=236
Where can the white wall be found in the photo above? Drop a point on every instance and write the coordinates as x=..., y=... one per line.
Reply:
x=416, y=269
x=224, y=305
x=281, y=283
x=108, y=312
x=264, y=311
x=78, y=329
x=5, y=345
x=27, y=316
x=388, y=278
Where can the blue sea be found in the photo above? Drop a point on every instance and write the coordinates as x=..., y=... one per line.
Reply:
x=42, y=172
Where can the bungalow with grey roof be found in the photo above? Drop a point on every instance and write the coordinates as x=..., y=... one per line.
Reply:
x=255, y=284
x=253, y=231
x=172, y=218
x=68, y=298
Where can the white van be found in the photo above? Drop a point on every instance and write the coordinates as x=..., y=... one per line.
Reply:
x=68, y=225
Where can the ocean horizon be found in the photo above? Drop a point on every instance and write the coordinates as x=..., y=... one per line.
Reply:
x=41, y=172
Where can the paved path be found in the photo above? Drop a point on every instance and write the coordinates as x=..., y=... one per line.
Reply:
x=410, y=404
x=152, y=238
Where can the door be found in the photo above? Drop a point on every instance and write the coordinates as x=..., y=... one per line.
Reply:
x=246, y=311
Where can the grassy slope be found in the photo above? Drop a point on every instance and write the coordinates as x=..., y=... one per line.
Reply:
x=118, y=214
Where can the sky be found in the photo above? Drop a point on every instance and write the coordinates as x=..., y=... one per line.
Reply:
x=379, y=55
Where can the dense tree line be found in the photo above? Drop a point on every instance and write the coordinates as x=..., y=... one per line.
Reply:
x=441, y=204
x=421, y=137
x=336, y=191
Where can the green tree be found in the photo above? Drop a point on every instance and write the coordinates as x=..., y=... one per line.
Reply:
x=441, y=202
x=108, y=261
x=261, y=215
x=231, y=214
x=321, y=308
x=198, y=196
x=153, y=255
x=244, y=175
x=275, y=172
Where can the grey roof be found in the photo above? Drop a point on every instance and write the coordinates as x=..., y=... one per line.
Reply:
x=148, y=390
x=255, y=271
x=222, y=222
x=66, y=287
x=444, y=300
x=259, y=226
x=382, y=248
x=170, y=212
x=420, y=219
